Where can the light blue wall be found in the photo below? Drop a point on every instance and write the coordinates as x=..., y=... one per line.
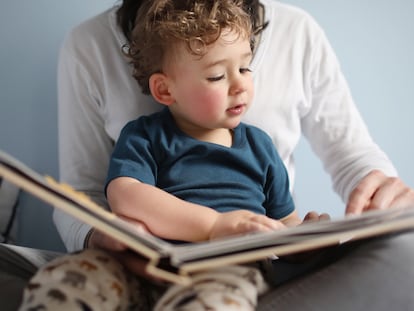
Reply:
x=374, y=41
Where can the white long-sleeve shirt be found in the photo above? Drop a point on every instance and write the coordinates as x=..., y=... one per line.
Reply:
x=299, y=88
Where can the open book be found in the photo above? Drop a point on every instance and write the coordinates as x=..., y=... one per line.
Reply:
x=177, y=262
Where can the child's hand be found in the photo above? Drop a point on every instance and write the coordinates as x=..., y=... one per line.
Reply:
x=242, y=221
x=315, y=216
x=100, y=240
x=303, y=256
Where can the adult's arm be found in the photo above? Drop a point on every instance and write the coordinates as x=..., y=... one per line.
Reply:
x=84, y=146
x=333, y=124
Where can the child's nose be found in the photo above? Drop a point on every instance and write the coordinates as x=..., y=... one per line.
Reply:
x=238, y=85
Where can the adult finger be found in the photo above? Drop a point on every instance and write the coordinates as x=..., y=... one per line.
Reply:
x=387, y=192
x=360, y=197
x=404, y=199
x=100, y=240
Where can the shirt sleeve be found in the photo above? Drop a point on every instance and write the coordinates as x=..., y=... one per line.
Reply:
x=133, y=155
x=333, y=124
x=84, y=146
x=279, y=202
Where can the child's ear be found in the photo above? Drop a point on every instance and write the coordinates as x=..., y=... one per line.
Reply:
x=158, y=84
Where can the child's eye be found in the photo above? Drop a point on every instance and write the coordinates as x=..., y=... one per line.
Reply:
x=214, y=79
x=245, y=70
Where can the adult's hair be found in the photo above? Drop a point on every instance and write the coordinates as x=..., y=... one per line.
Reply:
x=127, y=12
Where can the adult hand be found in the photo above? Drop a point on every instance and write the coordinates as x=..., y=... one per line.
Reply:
x=129, y=259
x=378, y=191
x=100, y=240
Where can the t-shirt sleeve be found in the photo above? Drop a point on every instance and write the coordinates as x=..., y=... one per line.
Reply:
x=279, y=202
x=133, y=156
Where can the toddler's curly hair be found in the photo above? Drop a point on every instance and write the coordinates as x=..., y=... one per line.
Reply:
x=162, y=25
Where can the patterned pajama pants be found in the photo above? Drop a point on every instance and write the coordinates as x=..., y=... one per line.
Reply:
x=93, y=280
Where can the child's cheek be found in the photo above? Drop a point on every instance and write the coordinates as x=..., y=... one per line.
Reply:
x=209, y=99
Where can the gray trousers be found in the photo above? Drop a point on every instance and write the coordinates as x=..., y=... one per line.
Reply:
x=373, y=275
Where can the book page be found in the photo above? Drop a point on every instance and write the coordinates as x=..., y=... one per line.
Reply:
x=303, y=237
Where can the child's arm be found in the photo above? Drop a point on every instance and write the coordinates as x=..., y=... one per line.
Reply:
x=169, y=217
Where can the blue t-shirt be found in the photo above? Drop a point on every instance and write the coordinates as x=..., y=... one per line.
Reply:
x=249, y=175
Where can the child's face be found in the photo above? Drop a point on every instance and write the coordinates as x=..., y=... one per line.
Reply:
x=216, y=90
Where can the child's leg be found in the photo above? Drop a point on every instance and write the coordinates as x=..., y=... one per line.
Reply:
x=93, y=280
x=223, y=289
x=89, y=280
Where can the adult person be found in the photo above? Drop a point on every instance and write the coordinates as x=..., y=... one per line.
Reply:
x=304, y=83
x=299, y=89
x=302, y=90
